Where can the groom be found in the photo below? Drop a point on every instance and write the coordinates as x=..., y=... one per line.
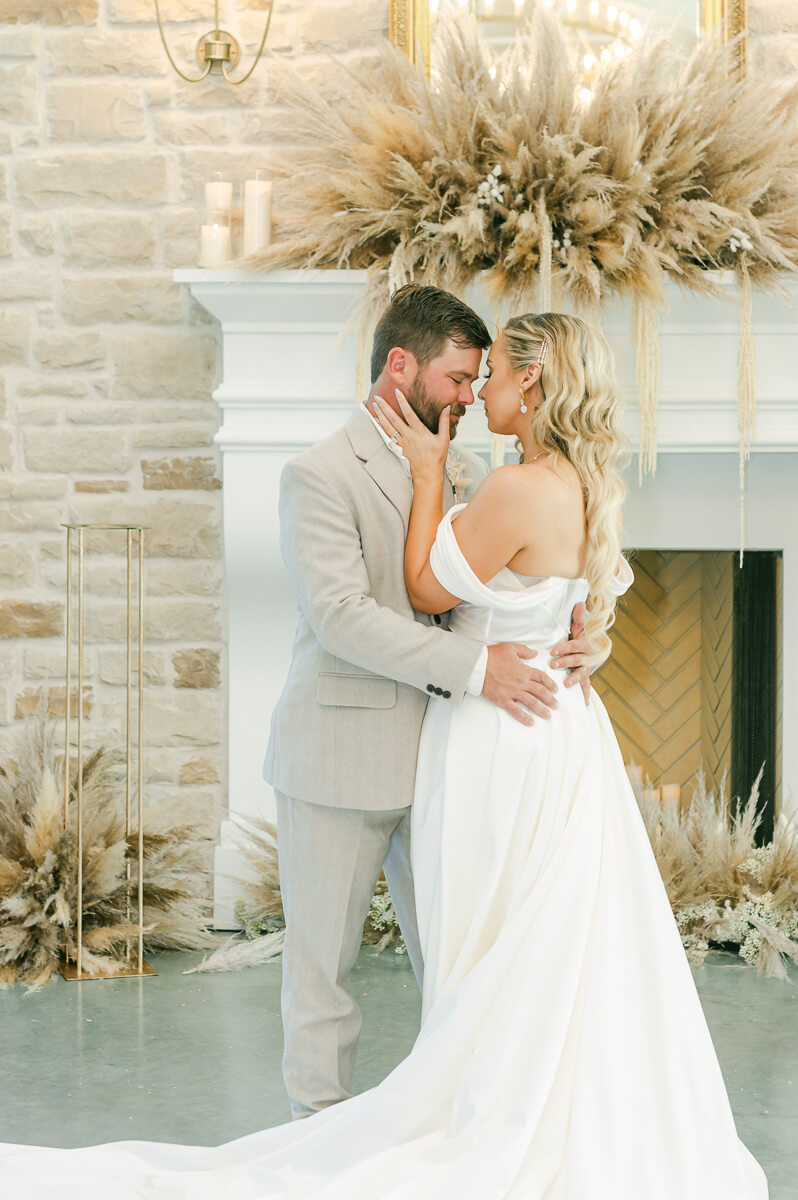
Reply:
x=345, y=732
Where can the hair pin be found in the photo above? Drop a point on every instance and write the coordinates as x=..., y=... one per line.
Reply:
x=542, y=356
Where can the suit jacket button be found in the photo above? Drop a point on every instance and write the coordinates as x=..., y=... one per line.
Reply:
x=438, y=691
x=430, y=687
x=436, y=618
x=447, y=695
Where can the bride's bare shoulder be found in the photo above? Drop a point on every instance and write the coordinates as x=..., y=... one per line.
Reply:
x=539, y=483
x=498, y=485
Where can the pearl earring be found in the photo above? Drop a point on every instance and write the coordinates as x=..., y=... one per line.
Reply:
x=523, y=400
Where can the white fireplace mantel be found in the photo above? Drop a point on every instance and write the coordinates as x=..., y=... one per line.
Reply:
x=288, y=379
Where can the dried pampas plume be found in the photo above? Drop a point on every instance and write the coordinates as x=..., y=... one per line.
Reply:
x=38, y=868
x=261, y=913
x=725, y=890
x=497, y=165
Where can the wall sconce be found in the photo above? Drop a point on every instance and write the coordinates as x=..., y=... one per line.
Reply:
x=217, y=49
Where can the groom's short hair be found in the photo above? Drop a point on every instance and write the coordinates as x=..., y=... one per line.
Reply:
x=422, y=319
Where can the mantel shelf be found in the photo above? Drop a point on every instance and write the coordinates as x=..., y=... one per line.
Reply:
x=270, y=322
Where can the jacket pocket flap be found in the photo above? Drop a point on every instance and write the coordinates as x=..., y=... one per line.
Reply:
x=355, y=691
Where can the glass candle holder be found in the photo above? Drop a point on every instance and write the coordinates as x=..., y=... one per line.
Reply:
x=215, y=238
x=257, y=212
x=218, y=192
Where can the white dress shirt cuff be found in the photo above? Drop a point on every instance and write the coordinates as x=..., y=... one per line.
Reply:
x=476, y=680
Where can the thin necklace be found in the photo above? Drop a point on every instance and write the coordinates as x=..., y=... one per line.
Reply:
x=536, y=457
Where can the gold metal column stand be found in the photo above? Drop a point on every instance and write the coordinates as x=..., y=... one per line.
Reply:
x=133, y=966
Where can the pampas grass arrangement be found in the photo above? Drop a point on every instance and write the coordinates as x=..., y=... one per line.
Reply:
x=261, y=913
x=726, y=892
x=499, y=163
x=38, y=868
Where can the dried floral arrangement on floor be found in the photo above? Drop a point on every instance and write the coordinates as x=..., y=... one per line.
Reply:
x=38, y=861
x=726, y=892
x=504, y=164
x=261, y=913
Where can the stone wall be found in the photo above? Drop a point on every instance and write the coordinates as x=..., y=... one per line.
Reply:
x=108, y=366
x=773, y=28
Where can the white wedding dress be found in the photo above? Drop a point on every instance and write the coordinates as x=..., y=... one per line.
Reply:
x=563, y=1053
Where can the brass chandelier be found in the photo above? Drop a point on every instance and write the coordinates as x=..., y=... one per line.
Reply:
x=216, y=50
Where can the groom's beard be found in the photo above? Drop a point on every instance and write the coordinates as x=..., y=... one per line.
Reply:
x=427, y=411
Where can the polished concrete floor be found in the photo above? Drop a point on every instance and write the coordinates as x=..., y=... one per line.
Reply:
x=196, y=1058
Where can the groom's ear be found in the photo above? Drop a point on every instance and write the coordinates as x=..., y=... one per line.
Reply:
x=396, y=362
x=401, y=365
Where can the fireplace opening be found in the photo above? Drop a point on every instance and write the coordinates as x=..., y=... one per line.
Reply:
x=694, y=680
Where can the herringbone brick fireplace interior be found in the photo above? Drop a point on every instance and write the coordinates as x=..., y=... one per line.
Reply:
x=668, y=686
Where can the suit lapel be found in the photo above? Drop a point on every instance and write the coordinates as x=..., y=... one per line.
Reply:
x=389, y=476
x=385, y=468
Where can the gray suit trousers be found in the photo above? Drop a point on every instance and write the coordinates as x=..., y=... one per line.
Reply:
x=330, y=860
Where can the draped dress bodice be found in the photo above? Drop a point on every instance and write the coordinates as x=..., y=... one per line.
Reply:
x=509, y=607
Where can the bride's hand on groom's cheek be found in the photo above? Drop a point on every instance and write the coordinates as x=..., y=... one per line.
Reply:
x=425, y=451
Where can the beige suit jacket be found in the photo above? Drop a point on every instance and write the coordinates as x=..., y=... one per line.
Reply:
x=346, y=728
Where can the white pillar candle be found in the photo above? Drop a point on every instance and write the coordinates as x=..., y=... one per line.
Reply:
x=219, y=194
x=214, y=245
x=257, y=214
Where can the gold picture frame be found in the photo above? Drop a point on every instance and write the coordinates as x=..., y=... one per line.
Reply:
x=731, y=18
x=409, y=26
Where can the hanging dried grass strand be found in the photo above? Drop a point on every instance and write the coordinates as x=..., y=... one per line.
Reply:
x=544, y=269
x=362, y=323
x=502, y=307
x=746, y=388
x=361, y=365
x=589, y=309
x=645, y=327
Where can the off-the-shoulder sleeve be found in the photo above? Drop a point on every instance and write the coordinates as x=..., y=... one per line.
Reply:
x=452, y=570
x=449, y=566
x=623, y=578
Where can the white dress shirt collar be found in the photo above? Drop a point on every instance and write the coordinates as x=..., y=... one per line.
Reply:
x=392, y=446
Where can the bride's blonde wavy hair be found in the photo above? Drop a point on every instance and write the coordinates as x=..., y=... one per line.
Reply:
x=579, y=418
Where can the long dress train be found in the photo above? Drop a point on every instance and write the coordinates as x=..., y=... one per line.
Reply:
x=563, y=1053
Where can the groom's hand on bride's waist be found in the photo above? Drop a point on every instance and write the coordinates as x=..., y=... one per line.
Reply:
x=514, y=685
x=576, y=653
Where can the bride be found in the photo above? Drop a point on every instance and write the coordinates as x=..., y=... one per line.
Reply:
x=563, y=1053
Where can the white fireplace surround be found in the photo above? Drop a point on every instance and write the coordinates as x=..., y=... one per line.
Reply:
x=288, y=379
